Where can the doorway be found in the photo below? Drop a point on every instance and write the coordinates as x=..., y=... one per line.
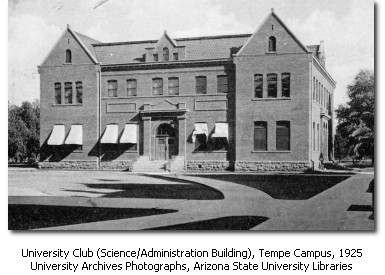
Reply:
x=165, y=142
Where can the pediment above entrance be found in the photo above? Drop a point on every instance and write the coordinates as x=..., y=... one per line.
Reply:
x=164, y=106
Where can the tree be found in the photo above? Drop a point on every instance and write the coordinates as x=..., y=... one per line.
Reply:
x=355, y=130
x=23, y=131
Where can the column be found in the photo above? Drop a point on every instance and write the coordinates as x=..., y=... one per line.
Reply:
x=147, y=137
x=182, y=136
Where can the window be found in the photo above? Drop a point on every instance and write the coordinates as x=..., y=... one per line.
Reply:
x=258, y=86
x=222, y=83
x=166, y=54
x=68, y=93
x=272, y=85
x=201, y=142
x=79, y=92
x=285, y=78
x=272, y=44
x=173, y=86
x=131, y=87
x=260, y=136
x=157, y=86
x=155, y=57
x=57, y=93
x=68, y=56
x=313, y=88
x=318, y=141
x=112, y=88
x=201, y=84
x=313, y=136
x=283, y=136
x=176, y=57
x=316, y=91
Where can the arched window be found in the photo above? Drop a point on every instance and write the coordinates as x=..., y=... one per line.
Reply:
x=272, y=44
x=68, y=56
x=166, y=54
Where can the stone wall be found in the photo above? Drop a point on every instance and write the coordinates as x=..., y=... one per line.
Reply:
x=86, y=165
x=117, y=164
x=69, y=164
x=207, y=166
x=263, y=166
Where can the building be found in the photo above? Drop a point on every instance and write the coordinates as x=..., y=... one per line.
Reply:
x=251, y=102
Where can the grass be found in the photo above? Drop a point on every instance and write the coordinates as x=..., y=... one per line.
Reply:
x=281, y=186
x=29, y=216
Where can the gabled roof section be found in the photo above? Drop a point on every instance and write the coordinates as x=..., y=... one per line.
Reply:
x=88, y=41
x=273, y=14
x=169, y=39
x=83, y=44
x=84, y=41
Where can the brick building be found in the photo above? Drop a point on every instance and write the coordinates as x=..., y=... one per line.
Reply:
x=251, y=102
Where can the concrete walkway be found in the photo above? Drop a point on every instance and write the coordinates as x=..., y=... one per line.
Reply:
x=325, y=211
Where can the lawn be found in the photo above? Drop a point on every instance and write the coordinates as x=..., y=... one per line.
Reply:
x=284, y=186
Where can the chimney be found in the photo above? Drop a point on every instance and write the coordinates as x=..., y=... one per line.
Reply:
x=321, y=55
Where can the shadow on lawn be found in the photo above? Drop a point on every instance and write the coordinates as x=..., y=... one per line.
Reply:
x=225, y=223
x=285, y=187
x=156, y=191
x=27, y=216
x=177, y=189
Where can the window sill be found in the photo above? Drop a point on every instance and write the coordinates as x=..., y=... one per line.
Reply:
x=271, y=98
x=160, y=96
x=130, y=152
x=287, y=152
x=66, y=105
x=271, y=52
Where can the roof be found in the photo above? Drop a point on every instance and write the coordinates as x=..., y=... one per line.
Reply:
x=88, y=41
x=197, y=48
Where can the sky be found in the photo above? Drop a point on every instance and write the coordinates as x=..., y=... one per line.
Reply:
x=345, y=26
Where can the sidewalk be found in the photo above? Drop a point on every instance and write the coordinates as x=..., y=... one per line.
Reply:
x=325, y=211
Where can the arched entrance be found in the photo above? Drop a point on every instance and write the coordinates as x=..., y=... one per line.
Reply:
x=166, y=144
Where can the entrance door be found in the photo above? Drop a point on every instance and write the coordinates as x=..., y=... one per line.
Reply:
x=161, y=148
x=165, y=142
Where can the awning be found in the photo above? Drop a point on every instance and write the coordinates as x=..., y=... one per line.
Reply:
x=200, y=129
x=75, y=135
x=57, y=135
x=221, y=130
x=130, y=134
x=110, y=134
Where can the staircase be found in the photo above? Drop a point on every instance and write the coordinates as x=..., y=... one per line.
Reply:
x=143, y=164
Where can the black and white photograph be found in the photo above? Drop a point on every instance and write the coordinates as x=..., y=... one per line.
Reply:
x=200, y=115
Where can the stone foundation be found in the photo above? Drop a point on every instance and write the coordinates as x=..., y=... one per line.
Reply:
x=117, y=165
x=207, y=165
x=87, y=165
x=69, y=164
x=264, y=166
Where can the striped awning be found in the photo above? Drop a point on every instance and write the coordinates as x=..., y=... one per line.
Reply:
x=57, y=135
x=130, y=134
x=75, y=135
x=110, y=135
x=221, y=130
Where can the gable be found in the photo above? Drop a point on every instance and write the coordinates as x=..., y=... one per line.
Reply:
x=68, y=41
x=286, y=42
